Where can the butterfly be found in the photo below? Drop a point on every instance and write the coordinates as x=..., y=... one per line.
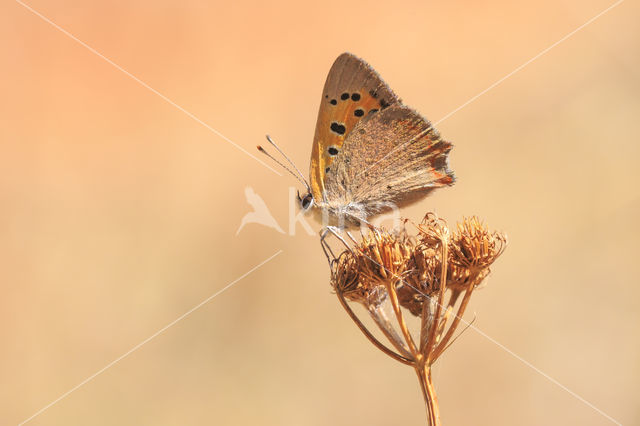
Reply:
x=370, y=152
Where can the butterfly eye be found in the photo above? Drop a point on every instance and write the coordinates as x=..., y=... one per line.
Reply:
x=306, y=201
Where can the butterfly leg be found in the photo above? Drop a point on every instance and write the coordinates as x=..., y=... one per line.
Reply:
x=351, y=237
x=326, y=248
x=335, y=231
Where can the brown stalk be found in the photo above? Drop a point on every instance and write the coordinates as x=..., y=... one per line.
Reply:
x=456, y=320
x=384, y=324
x=429, y=394
x=436, y=320
x=370, y=336
x=391, y=288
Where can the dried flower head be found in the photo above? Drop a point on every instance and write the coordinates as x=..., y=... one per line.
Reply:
x=384, y=256
x=473, y=249
x=345, y=275
x=423, y=281
x=474, y=246
x=425, y=275
x=361, y=274
x=433, y=231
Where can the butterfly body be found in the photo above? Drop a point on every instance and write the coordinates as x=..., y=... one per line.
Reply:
x=370, y=152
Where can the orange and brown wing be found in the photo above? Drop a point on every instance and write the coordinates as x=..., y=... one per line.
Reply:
x=394, y=156
x=352, y=91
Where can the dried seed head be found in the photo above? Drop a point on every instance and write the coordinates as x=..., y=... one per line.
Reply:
x=344, y=273
x=425, y=266
x=426, y=269
x=384, y=256
x=380, y=259
x=473, y=246
x=433, y=231
x=347, y=281
x=432, y=276
x=422, y=279
x=414, y=266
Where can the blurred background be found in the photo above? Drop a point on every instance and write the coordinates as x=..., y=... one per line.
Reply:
x=119, y=211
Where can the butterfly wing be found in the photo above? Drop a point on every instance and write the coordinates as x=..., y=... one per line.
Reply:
x=393, y=156
x=353, y=91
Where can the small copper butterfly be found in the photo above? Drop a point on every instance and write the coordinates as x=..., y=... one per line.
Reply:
x=370, y=150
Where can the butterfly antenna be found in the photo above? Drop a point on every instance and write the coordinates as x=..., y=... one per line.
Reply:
x=304, y=182
x=299, y=176
x=288, y=159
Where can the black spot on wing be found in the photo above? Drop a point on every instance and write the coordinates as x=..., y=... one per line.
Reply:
x=338, y=128
x=344, y=96
x=333, y=150
x=355, y=96
x=358, y=112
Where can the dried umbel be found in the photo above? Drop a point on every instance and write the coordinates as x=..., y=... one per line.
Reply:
x=473, y=249
x=430, y=276
x=380, y=258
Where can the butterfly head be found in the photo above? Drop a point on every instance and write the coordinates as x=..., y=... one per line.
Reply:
x=306, y=201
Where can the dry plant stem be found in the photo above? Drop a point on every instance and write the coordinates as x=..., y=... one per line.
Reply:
x=456, y=320
x=428, y=392
x=444, y=320
x=433, y=334
x=454, y=297
x=370, y=336
x=451, y=303
x=425, y=321
x=391, y=288
x=384, y=324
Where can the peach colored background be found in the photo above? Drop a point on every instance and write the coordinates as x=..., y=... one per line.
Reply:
x=118, y=212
